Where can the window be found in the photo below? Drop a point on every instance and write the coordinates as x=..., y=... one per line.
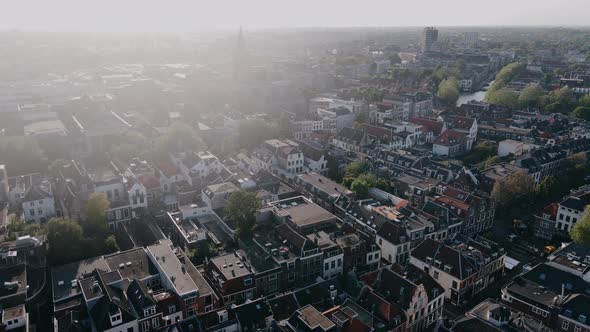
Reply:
x=32, y=212
x=326, y=266
x=171, y=308
x=145, y=325
x=577, y=328
x=333, y=264
x=130, y=329
x=370, y=257
x=339, y=262
x=248, y=281
x=435, y=275
x=291, y=277
x=565, y=325
x=454, y=284
x=156, y=322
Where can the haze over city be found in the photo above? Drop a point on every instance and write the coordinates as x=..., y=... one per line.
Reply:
x=294, y=166
x=190, y=15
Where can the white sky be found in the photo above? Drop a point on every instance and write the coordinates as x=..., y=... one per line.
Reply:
x=190, y=15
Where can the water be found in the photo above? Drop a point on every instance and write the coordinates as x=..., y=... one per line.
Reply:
x=478, y=96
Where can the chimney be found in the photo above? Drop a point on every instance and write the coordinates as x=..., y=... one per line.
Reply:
x=562, y=289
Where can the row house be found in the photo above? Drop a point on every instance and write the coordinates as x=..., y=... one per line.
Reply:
x=475, y=210
x=431, y=129
x=350, y=139
x=321, y=190
x=239, y=276
x=135, y=290
x=554, y=293
x=463, y=267
x=411, y=296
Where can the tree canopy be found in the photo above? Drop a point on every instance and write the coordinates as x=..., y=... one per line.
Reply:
x=580, y=233
x=582, y=112
x=241, y=207
x=64, y=239
x=531, y=96
x=449, y=91
x=366, y=181
x=514, y=188
x=95, y=223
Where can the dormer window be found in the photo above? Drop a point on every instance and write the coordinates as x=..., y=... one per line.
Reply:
x=116, y=318
x=149, y=311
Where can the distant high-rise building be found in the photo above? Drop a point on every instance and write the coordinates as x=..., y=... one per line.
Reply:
x=429, y=37
x=240, y=57
x=471, y=38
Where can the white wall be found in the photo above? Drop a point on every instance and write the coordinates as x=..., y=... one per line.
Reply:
x=44, y=208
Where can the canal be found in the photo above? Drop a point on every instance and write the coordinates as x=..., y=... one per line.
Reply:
x=477, y=95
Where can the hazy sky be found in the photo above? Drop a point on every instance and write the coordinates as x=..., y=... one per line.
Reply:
x=188, y=15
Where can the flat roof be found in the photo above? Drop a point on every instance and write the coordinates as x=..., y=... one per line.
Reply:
x=63, y=275
x=302, y=212
x=174, y=270
x=16, y=274
x=232, y=265
x=132, y=264
x=313, y=318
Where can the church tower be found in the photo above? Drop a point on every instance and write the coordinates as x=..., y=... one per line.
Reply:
x=240, y=57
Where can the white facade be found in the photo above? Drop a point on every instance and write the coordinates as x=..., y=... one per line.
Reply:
x=319, y=166
x=333, y=266
x=566, y=218
x=391, y=252
x=39, y=210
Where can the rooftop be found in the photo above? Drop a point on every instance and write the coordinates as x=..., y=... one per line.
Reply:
x=174, y=270
x=302, y=212
x=132, y=264
x=64, y=276
x=232, y=265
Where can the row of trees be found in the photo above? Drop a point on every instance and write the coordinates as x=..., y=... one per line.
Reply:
x=497, y=94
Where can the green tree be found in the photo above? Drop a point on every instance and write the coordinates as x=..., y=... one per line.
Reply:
x=362, y=183
x=110, y=244
x=584, y=101
x=448, y=91
x=479, y=153
x=505, y=75
x=513, y=188
x=580, y=233
x=502, y=97
x=582, y=112
x=64, y=239
x=547, y=188
x=95, y=223
x=531, y=95
x=241, y=207
x=352, y=170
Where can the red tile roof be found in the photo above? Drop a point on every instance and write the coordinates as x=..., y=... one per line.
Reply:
x=429, y=125
x=450, y=138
